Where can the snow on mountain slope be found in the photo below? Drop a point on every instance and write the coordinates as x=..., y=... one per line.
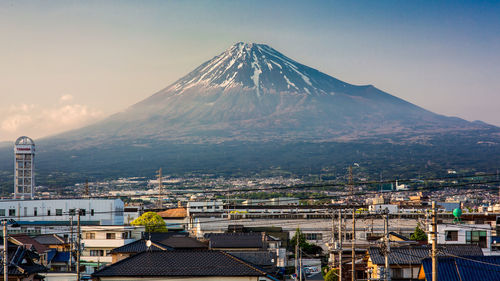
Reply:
x=253, y=92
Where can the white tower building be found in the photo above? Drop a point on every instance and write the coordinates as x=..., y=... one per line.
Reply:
x=24, y=167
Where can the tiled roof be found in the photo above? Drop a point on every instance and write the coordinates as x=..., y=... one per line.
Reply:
x=180, y=263
x=259, y=258
x=176, y=240
x=404, y=238
x=139, y=246
x=181, y=242
x=50, y=239
x=235, y=240
x=485, y=268
x=415, y=254
x=23, y=239
x=174, y=213
x=21, y=262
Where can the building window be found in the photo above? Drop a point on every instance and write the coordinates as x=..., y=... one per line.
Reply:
x=2, y=212
x=12, y=212
x=58, y=212
x=92, y=212
x=72, y=212
x=314, y=236
x=97, y=253
x=110, y=235
x=451, y=235
x=48, y=212
x=477, y=237
x=90, y=235
x=397, y=273
x=82, y=212
x=35, y=211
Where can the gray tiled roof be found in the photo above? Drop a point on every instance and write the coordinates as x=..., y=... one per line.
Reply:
x=139, y=246
x=176, y=240
x=415, y=254
x=180, y=263
x=49, y=239
x=235, y=240
x=260, y=258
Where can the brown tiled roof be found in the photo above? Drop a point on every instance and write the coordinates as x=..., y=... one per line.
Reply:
x=23, y=239
x=174, y=213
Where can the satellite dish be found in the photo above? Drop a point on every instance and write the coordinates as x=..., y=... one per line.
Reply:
x=148, y=243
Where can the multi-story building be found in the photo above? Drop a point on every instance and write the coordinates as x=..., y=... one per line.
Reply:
x=98, y=241
x=53, y=216
x=476, y=234
x=24, y=168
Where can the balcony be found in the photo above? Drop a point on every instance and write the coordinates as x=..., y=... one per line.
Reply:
x=106, y=243
x=102, y=259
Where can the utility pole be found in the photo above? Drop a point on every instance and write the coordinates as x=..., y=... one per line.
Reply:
x=351, y=186
x=300, y=265
x=5, y=252
x=70, y=262
x=340, y=245
x=87, y=192
x=296, y=253
x=79, y=237
x=353, y=245
x=160, y=190
x=434, y=242
x=387, y=270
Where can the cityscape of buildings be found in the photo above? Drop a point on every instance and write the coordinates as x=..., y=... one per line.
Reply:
x=88, y=230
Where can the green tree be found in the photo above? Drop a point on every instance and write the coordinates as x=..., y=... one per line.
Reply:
x=332, y=275
x=306, y=247
x=418, y=234
x=152, y=221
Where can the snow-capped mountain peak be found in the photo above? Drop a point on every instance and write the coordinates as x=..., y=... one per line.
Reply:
x=260, y=67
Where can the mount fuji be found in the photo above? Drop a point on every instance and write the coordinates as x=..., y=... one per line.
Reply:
x=253, y=109
x=252, y=92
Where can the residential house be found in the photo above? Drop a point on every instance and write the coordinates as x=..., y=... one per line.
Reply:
x=462, y=234
x=255, y=247
x=51, y=249
x=454, y=268
x=98, y=241
x=405, y=261
x=175, y=219
x=135, y=247
x=164, y=241
x=182, y=265
x=23, y=263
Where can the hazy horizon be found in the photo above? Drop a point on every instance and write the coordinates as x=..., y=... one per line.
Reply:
x=69, y=64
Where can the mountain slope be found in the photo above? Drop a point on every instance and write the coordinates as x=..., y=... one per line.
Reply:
x=252, y=110
x=253, y=92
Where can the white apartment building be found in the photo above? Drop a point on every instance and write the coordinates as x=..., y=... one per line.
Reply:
x=204, y=207
x=98, y=241
x=479, y=234
x=59, y=211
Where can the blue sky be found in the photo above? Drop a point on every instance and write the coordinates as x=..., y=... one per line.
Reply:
x=69, y=63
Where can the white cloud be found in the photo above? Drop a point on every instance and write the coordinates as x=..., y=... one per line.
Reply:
x=34, y=121
x=65, y=98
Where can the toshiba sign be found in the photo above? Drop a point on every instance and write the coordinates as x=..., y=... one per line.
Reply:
x=24, y=149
